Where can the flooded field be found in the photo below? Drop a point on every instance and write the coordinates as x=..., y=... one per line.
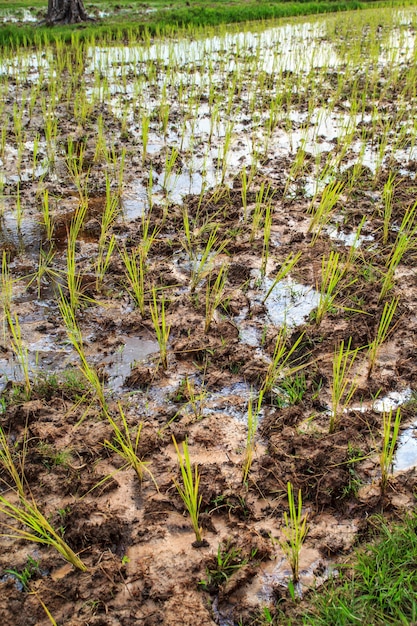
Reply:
x=208, y=251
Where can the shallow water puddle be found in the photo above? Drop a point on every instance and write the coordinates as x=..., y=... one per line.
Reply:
x=22, y=233
x=392, y=400
x=230, y=400
x=250, y=335
x=132, y=350
x=406, y=454
x=348, y=239
x=289, y=303
x=313, y=572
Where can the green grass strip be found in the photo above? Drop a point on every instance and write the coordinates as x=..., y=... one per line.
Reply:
x=166, y=21
x=381, y=587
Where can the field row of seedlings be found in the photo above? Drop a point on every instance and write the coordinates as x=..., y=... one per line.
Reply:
x=208, y=298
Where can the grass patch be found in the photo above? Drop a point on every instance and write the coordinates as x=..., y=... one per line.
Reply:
x=381, y=586
x=129, y=20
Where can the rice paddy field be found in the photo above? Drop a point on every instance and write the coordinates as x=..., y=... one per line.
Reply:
x=208, y=319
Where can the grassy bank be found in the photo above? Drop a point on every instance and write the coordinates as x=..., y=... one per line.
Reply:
x=126, y=20
x=380, y=588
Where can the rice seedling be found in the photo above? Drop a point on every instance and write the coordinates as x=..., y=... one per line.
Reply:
x=100, y=153
x=244, y=192
x=106, y=245
x=75, y=164
x=7, y=461
x=189, y=489
x=387, y=197
x=258, y=214
x=201, y=262
x=295, y=531
x=214, y=294
x=324, y=210
x=19, y=208
x=148, y=235
x=332, y=273
x=110, y=212
x=126, y=447
x=46, y=215
x=253, y=419
x=45, y=269
x=188, y=233
x=353, y=252
x=281, y=359
x=36, y=528
x=382, y=331
x=287, y=265
x=103, y=260
x=35, y=154
x=267, y=238
x=296, y=169
x=120, y=171
x=225, y=150
x=390, y=430
x=404, y=242
x=400, y=247
x=135, y=271
x=19, y=348
x=342, y=386
x=170, y=161
x=73, y=277
x=195, y=400
x=162, y=329
x=164, y=111
x=76, y=340
x=6, y=292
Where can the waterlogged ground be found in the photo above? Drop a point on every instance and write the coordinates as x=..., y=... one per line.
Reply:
x=213, y=164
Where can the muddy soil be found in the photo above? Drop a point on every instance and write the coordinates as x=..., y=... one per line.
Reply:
x=135, y=537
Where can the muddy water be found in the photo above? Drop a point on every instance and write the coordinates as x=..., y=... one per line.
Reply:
x=406, y=454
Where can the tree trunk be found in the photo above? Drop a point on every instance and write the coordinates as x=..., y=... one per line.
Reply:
x=65, y=12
